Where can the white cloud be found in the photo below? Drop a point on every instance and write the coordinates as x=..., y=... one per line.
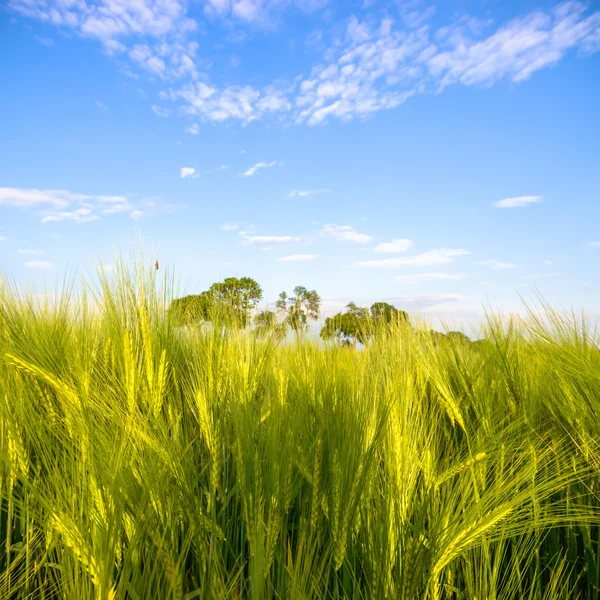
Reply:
x=259, y=165
x=398, y=245
x=440, y=256
x=229, y=226
x=257, y=11
x=298, y=258
x=266, y=240
x=164, y=23
x=39, y=264
x=344, y=233
x=101, y=105
x=305, y=193
x=79, y=215
x=498, y=264
x=548, y=262
x=517, y=202
x=27, y=251
x=594, y=244
x=193, y=129
x=160, y=111
x=423, y=277
x=137, y=214
x=32, y=198
x=2, y=238
x=54, y=206
x=188, y=173
x=371, y=65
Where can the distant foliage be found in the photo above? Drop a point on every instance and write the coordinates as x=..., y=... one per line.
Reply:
x=358, y=324
x=230, y=301
x=298, y=309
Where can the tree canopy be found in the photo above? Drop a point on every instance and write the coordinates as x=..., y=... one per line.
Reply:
x=358, y=324
x=230, y=300
x=299, y=308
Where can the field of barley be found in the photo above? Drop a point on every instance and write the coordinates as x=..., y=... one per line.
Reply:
x=141, y=460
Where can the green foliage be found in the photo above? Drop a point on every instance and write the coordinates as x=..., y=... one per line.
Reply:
x=229, y=301
x=357, y=324
x=142, y=460
x=299, y=308
x=192, y=309
x=348, y=327
x=266, y=322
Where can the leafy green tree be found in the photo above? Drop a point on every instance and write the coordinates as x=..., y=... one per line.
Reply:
x=387, y=313
x=458, y=336
x=348, y=327
x=299, y=308
x=230, y=301
x=243, y=293
x=192, y=309
x=266, y=322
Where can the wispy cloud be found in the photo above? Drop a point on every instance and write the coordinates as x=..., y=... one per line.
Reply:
x=259, y=165
x=424, y=277
x=101, y=105
x=305, y=193
x=48, y=42
x=494, y=263
x=188, y=173
x=39, y=264
x=298, y=258
x=27, y=251
x=268, y=240
x=161, y=111
x=594, y=244
x=439, y=256
x=374, y=65
x=2, y=238
x=32, y=198
x=518, y=202
x=257, y=11
x=229, y=226
x=398, y=245
x=193, y=129
x=344, y=233
x=54, y=206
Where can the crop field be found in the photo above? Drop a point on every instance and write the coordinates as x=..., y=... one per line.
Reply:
x=140, y=459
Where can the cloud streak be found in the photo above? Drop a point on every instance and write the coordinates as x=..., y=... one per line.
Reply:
x=257, y=166
x=55, y=206
x=518, y=202
x=494, y=263
x=398, y=245
x=344, y=233
x=439, y=256
x=298, y=258
x=39, y=264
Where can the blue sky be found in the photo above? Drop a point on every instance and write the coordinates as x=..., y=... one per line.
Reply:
x=439, y=155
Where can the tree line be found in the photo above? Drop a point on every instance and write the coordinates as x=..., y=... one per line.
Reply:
x=233, y=302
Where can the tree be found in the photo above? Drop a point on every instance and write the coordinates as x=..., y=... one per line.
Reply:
x=191, y=310
x=348, y=327
x=387, y=313
x=300, y=307
x=230, y=301
x=458, y=337
x=266, y=322
x=237, y=297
